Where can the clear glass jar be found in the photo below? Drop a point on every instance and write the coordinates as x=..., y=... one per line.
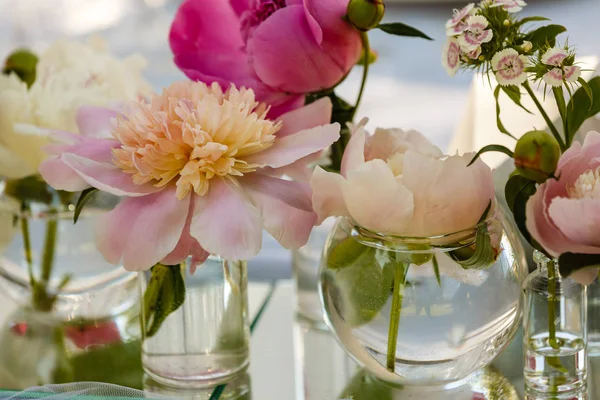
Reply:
x=37, y=348
x=306, y=262
x=555, y=325
x=424, y=311
x=205, y=341
x=72, y=278
x=593, y=331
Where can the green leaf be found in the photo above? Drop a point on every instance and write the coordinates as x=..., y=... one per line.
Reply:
x=501, y=127
x=531, y=19
x=545, y=36
x=364, y=284
x=581, y=107
x=84, y=198
x=23, y=63
x=571, y=262
x=164, y=294
x=490, y=148
x=400, y=29
x=515, y=95
x=517, y=191
x=436, y=270
x=515, y=184
x=479, y=256
x=588, y=90
x=29, y=189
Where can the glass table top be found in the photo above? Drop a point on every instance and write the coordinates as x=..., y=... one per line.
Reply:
x=294, y=359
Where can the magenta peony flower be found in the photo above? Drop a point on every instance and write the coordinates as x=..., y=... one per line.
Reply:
x=197, y=167
x=563, y=216
x=282, y=49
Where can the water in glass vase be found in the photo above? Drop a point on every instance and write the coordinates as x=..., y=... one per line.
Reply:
x=205, y=341
x=555, y=364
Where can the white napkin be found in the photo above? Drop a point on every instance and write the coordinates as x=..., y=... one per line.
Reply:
x=478, y=126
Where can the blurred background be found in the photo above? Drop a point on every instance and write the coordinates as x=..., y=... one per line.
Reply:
x=408, y=87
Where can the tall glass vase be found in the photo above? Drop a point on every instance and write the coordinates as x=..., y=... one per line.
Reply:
x=555, y=330
x=593, y=333
x=203, y=340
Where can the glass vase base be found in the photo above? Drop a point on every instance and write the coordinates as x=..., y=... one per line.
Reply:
x=194, y=371
x=555, y=366
x=238, y=388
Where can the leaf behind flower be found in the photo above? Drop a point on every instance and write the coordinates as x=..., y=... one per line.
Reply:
x=571, y=262
x=400, y=29
x=584, y=104
x=545, y=36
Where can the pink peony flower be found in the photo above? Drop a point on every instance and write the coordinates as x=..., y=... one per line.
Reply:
x=398, y=183
x=282, y=49
x=564, y=215
x=197, y=167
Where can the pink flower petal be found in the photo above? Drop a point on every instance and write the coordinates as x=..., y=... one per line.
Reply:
x=106, y=177
x=287, y=214
x=95, y=122
x=585, y=276
x=309, y=116
x=187, y=246
x=292, y=193
x=142, y=231
x=286, y=56
x=293, y=147
x=61, y=175
x=239, y=6
x=327, y=196
x=578, y=219
x=340, y=39
x=376, y=200
x=225, y=222
x=354, y=155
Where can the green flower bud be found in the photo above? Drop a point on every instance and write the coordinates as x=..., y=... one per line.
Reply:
x=365, y=14
x=23, y=63
x=536, y=155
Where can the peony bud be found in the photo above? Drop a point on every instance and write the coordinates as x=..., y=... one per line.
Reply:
x=536, y=155
x=506, y=23
x=22, y=63
x=365, y=14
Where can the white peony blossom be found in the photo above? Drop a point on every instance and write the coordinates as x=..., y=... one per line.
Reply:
x=69, y=75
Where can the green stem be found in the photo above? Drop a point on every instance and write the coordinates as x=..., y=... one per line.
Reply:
x=549, y=122
x=27, y=243
x=395, y=316
x=551, y=306
x=367, y=51
x=42, y=299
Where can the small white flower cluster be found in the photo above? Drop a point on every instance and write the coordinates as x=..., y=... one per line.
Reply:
x=468, y=30
x=466, y=33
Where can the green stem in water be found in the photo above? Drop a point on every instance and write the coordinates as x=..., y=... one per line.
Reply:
x=549, y=122
x=551, y=306
x=397, y=295
x=367, y=51
x=27, y=243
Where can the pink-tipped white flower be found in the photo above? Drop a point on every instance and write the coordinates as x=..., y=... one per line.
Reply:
x=512, y=6
x=562, y=73
x=509, y=67
x=458, y=23
x=476, y=33
x=198, y=169
x=474, y=55
x=451, y=56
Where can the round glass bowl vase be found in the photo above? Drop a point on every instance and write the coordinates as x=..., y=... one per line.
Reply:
x=423, y=311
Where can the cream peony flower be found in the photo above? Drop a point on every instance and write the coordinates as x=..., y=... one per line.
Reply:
x=69, y=75
x=396, y=182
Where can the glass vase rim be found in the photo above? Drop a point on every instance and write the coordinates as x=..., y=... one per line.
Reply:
x=446, y=241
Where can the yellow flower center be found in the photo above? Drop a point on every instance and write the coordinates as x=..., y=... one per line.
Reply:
x=190, y=134
x=587, y=186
